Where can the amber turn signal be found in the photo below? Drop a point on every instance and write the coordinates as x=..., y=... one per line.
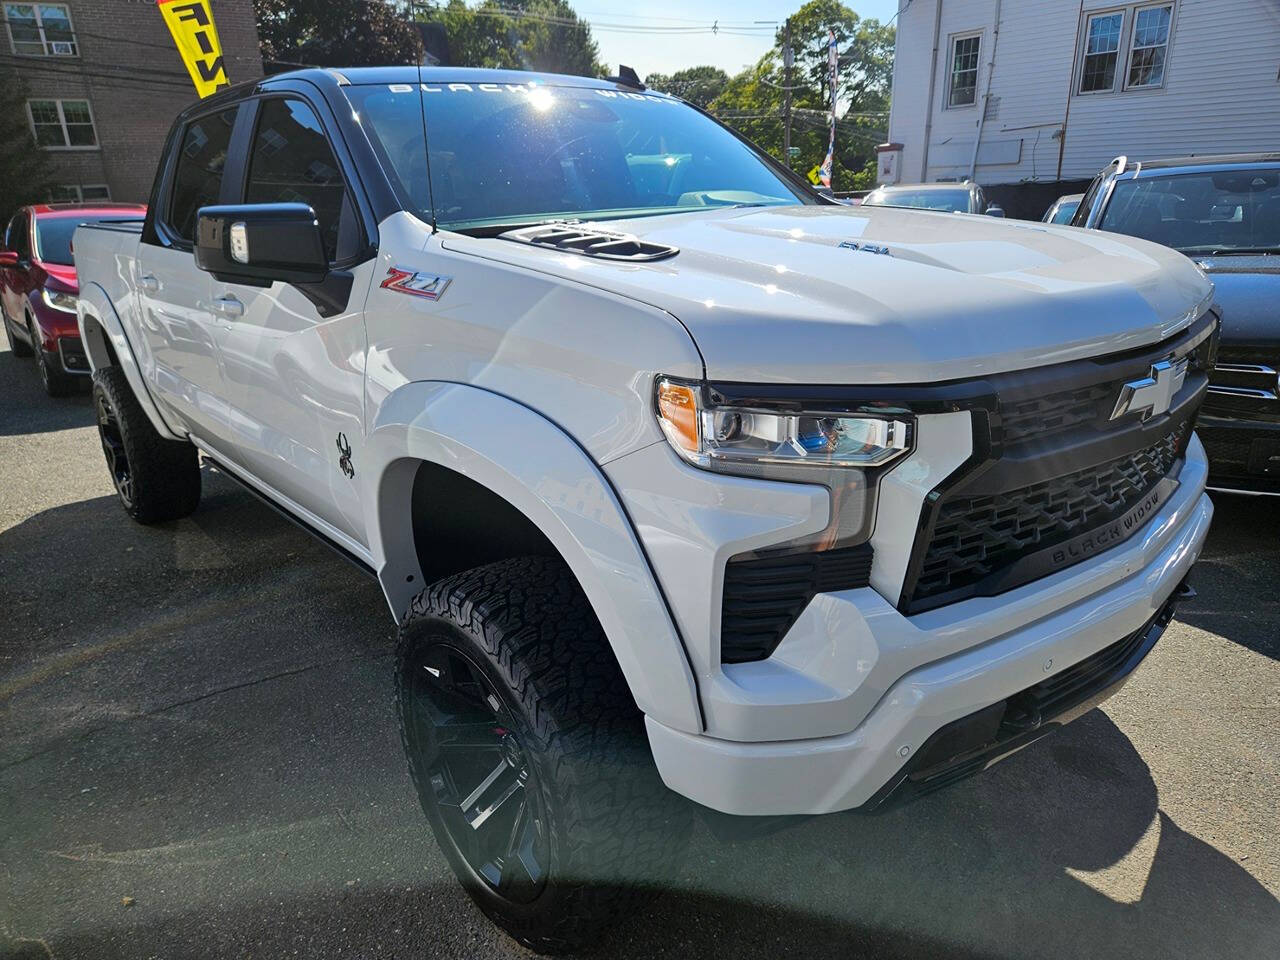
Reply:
x=678, y=414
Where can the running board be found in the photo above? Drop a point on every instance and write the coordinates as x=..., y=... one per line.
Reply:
x=333, y=545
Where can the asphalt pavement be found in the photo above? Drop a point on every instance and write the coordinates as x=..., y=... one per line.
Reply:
x=199, y=758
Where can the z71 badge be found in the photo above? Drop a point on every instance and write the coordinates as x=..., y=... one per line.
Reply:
x=404, y=280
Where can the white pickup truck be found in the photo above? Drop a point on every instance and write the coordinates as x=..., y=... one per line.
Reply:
x=671, y=471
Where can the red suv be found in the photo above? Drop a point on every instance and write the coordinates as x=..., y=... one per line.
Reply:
x=38, y=286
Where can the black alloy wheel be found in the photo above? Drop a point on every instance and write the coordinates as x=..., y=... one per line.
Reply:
x=485, y=789
x=529, y=755
x=113, y=447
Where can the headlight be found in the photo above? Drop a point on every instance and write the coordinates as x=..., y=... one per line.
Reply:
x=59, y=301
x=779, y=443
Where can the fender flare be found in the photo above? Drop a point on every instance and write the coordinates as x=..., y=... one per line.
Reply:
x=94, y=312
x=536, y=467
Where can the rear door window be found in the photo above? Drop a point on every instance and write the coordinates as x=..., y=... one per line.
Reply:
x=202, y=157
x=291, y=161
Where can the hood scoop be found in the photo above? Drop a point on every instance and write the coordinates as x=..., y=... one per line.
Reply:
x=588, y=242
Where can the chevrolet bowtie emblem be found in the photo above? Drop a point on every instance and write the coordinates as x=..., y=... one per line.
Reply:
x=1153, y=394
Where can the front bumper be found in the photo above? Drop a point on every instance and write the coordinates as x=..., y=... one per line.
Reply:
x=1244, y=453
x=967, y=657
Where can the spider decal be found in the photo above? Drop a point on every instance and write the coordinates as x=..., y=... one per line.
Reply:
x=344, y=457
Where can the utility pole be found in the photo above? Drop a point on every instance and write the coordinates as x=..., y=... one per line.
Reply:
x=787, y=59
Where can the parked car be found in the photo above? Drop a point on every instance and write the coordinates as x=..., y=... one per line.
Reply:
x=671, y=471
x=1063, y=209
x=1224, y=213
x=963, y=197
x=38, y=286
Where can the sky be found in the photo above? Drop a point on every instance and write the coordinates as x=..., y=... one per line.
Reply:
x=672, y=34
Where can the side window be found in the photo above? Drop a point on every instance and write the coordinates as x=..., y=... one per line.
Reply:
x=291, y=162
x=198, y=181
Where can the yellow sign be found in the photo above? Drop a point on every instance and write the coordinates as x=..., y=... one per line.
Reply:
x=191, y=24
x=815, y=176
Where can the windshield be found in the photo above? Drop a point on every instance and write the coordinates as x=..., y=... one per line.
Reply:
x=515, y=153
x=53, y=235
x=953, y=201
x=1064, y=211
x=1230, y=211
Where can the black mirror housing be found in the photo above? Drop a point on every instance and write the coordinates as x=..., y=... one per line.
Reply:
x=258, y=243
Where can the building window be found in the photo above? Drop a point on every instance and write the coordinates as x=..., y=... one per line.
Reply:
x=79, y=193
x=1150, y=46
x=964, y=71
x=40, y=29
x=62, y=124
x=1101, y=52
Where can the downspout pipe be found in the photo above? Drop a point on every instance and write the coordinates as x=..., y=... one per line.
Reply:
x=986, y=96
x=933, y=85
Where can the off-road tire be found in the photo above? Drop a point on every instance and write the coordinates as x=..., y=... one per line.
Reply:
x=614, y=830
x=19, y=346
x=164, y=474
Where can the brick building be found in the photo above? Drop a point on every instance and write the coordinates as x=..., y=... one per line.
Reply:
x=104, y=82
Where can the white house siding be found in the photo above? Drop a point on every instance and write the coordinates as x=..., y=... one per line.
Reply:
x=1221, y=92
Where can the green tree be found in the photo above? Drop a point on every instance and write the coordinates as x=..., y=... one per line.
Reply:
x=541, y=35
x=698, y=85
x=24, y=169
x=335, y=33
x=752, y=101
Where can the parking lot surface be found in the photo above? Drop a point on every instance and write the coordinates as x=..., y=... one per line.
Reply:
x=199, y=758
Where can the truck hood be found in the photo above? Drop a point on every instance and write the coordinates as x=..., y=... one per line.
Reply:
x=1248, y=289
x=772, y=295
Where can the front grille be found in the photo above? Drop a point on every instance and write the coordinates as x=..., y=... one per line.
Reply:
x=763, y=596
x=1037, y=418
x=1031, y=414
x=976, y=537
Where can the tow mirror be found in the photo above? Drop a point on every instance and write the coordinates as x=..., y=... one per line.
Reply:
x=258, y=243
x=8, y=258
x=994, y=211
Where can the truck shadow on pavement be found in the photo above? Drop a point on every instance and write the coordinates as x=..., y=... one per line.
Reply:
x=199, y=757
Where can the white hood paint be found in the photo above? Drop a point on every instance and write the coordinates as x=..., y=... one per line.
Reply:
x=769, y=295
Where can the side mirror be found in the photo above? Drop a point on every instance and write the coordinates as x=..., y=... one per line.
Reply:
x=257, y=243
x=8, y=258
x=994, y=211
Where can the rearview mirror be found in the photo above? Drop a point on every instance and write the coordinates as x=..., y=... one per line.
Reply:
x=258, y=243
x=8, y=258
x=994, y=211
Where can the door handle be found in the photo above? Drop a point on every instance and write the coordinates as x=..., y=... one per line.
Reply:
x=148, y=282
x=228, y=306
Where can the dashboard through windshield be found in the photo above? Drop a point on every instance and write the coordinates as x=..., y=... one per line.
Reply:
x=516, y=153
x=1227, y=211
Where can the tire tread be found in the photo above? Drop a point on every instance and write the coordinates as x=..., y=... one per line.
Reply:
x=622, y=829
